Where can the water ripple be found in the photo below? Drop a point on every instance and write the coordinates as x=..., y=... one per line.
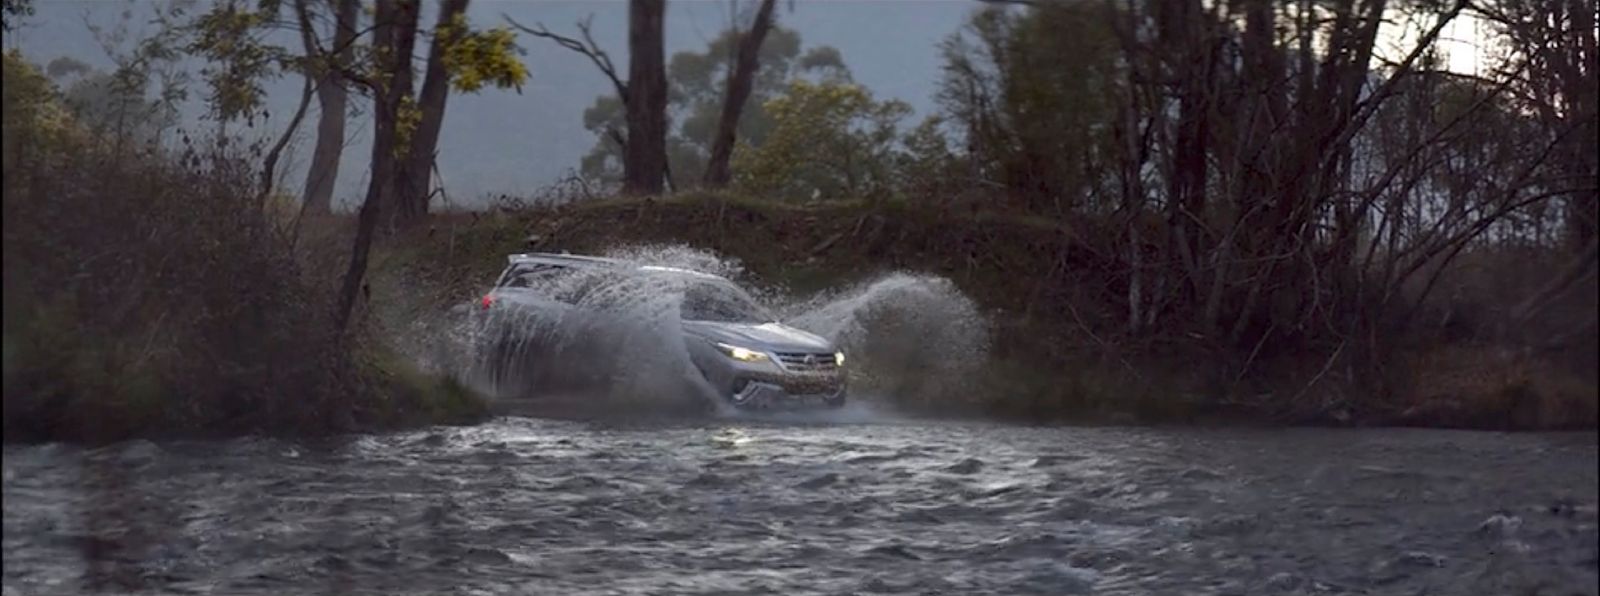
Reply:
x=526, y=506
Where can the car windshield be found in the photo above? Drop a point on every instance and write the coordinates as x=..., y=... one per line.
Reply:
x=721, y=303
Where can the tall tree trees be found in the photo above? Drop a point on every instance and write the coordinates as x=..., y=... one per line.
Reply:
x=740, y=83
x=235, y=40
x=406, y=127
x=332, y=97
x=1031, y=94
x=394, y=36
x=1555, y=43
x=643, y=96
x=411, y=192
x=1291, y=180
x=697, y=81
x=828, y=140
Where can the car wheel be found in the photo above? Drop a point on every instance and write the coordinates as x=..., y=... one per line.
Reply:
x=835, y=402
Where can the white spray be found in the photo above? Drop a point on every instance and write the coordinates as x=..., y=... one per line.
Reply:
x=907, y=338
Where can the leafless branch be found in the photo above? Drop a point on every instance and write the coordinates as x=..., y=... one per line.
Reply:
x=1368, y=107
x=315, y=50
x=271, y=163
x=585, y=46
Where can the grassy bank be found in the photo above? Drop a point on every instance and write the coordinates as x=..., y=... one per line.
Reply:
x=1058, y=353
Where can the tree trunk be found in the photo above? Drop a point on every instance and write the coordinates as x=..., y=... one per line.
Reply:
x=717, y=174
x=411, y=192
x=645, y=161
x=1582, y=90
x=1186, y=32
x=332, y=100
x=395, y=33
x=269, y=166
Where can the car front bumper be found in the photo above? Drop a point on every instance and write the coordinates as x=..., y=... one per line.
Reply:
x=771, y=393
x=766, y=383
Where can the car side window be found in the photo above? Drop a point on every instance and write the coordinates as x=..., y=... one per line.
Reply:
x=526, y=276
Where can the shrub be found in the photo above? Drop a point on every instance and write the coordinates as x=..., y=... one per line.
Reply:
x=150, y=291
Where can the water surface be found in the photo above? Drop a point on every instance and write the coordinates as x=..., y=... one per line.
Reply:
x=525, y=506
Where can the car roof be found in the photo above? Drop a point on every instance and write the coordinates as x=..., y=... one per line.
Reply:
x=571, y=260
x=559, y=259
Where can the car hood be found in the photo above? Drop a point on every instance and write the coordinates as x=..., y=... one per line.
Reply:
x=763, y=336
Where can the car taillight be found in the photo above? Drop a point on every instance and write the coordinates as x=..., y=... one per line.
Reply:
x=488, y=300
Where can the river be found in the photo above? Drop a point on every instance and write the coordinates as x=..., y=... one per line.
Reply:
x=530, y=506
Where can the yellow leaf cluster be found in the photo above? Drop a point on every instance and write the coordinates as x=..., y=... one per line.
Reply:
x=476, y=59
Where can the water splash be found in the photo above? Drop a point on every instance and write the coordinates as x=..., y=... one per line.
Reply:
x=614, y=344
x=908, y=337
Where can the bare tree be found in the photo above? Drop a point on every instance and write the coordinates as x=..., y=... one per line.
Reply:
x=1556, y=41
x=740, y=83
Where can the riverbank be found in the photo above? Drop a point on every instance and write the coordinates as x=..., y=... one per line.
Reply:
x=148, y=295
x=1057, y=355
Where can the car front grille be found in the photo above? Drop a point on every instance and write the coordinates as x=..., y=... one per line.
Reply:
x=808, y=361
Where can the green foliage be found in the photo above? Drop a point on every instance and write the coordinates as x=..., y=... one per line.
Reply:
x=33, y=114
x=604, y=161
x=407, y=118
x=926, y=166
x=479, y=58
x=233, y=41
x=696, y=83
x=65, y=67
x=1034, y=94
x=148, y=293
x=26, y=93
x=829, y=139
x=116, y=103
x=413, y=396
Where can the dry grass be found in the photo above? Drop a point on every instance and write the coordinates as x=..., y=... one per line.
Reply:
x=1494, y=387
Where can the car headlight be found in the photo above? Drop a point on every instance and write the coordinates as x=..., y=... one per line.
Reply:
x=741, y=354
x=838, y=358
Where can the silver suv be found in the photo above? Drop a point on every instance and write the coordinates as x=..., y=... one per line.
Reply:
x=740, y=349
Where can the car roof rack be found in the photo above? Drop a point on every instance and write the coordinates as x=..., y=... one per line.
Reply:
x=690, y=272
x=567, y=257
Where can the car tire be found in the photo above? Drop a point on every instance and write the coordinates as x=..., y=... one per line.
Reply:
x=836, y=402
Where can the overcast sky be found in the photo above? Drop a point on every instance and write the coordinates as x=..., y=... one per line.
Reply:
x=502, y=142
